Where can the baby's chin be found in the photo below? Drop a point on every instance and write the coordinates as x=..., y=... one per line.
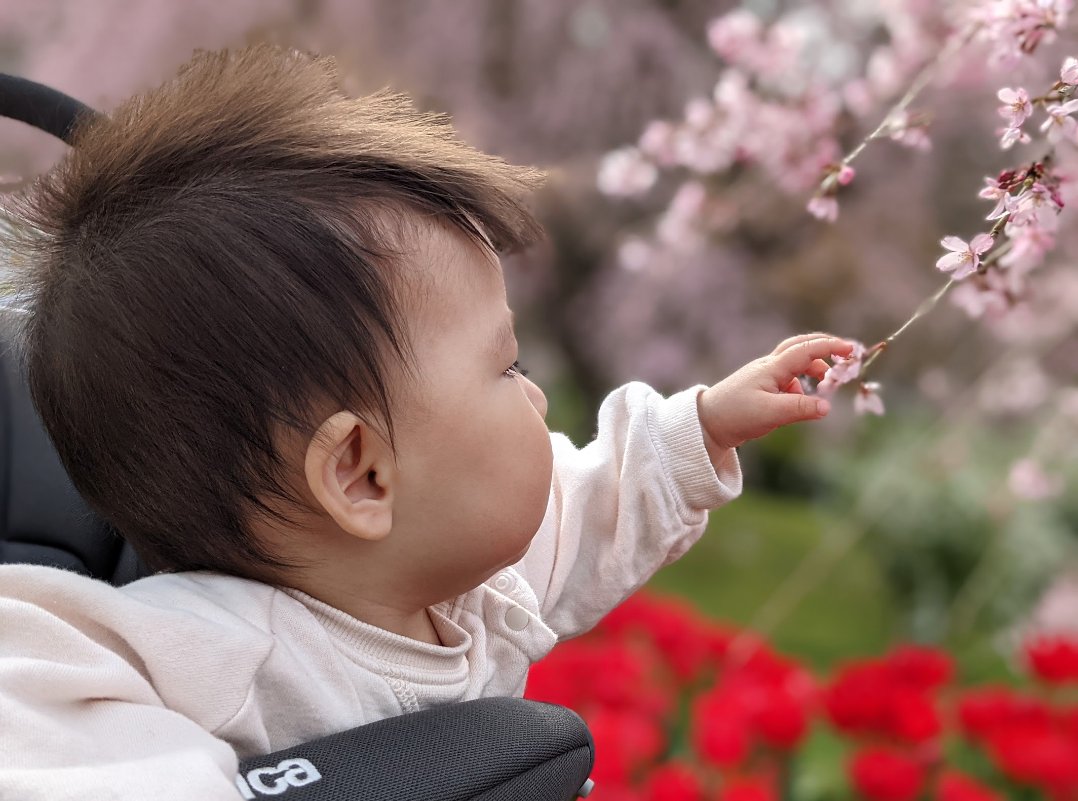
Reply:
x=513, y=559
x=520, y=555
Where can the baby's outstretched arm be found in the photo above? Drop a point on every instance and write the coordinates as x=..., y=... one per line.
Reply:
x=766, y=394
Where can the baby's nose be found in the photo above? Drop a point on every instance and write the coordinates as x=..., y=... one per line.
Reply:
x=536, y=396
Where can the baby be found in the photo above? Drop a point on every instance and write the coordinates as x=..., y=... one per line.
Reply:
x=269, y=338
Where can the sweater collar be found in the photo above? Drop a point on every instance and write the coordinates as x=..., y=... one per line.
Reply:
x=375, y=647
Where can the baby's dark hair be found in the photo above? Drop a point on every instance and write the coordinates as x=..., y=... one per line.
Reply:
x=211, y=259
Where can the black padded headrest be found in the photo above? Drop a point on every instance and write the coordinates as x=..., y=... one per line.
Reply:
x=43, y=519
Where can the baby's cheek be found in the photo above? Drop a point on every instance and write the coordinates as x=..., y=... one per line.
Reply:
x=542, y=463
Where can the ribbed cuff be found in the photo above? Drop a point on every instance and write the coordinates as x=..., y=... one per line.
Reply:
x=679, y=439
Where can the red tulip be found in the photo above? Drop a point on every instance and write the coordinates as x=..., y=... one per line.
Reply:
x=674, y=781
x=748, y=789
x=883, y=774
x=1053, y=659
x=955, y=786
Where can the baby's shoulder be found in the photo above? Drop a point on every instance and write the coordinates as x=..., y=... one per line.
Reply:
x=209, y=599
x=197, y=639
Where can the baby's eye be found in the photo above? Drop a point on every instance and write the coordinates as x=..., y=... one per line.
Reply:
x=515, y=369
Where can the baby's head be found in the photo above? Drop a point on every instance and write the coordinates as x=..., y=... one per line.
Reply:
x=268, y=330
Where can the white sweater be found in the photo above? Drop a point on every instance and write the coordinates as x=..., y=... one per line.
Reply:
x=155, y=689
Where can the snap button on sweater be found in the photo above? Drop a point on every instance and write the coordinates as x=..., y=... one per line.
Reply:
x=517, y=618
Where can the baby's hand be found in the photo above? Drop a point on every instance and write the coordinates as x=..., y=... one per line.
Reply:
x=766, y=393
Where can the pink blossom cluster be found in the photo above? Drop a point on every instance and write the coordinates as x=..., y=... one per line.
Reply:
x=849, y=370
x=1027, y=200
x=786, y=91
x=1017, y=108
x=1012, y=28
x=1015, y=28
x=1025, y=219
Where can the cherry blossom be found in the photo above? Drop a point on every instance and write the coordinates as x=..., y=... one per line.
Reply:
x=994, y=191
x=908, y=130
x=843, y=371
x=626, y=172
x=867, y=399
x=1016, y=108
x=1029, y=247
x=1009, y=136
x=658, y=142
x=1068, y=74
x=964, y=258
x=735, y=36
x=1060, y=125
x=987, y=295
x=1038, y=205
x=823, y=207
x=1016, y=28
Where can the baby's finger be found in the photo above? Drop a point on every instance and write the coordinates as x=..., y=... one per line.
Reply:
x=818, y=369
x=791, y=408
x=786, y=344
x=800, y=359
x=794, y=387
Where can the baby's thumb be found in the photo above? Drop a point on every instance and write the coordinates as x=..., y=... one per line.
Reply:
x=793, y=408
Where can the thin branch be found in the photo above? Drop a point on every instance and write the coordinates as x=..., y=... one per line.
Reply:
x=928, y=305
x=923, y=79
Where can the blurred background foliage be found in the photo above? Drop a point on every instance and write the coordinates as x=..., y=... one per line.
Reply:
x=852, y=532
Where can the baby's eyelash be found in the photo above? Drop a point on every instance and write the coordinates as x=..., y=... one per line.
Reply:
x=515, y=369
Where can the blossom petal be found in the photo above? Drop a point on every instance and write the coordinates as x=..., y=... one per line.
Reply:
x=867, y=401
x=1000, y=209
x=823, y=208
x=1069, y=72
x=967, y=268
x=953, y=243
x=980, y=243
x=1010, y=136
x=950, y=261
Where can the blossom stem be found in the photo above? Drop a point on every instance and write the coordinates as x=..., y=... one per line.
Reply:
x=930, y=303
x=925, y=307
x=923, y=79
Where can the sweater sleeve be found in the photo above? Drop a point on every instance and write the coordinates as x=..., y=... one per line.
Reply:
x=628, y=503
x=79, y=719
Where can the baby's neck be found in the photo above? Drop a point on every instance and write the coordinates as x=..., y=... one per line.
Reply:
x=413, y=624
x=420, y=627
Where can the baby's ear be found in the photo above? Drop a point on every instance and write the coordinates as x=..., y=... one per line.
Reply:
x=351, y=472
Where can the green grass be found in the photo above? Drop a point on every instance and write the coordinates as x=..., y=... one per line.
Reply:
x=750, y=550
x=752, y=546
